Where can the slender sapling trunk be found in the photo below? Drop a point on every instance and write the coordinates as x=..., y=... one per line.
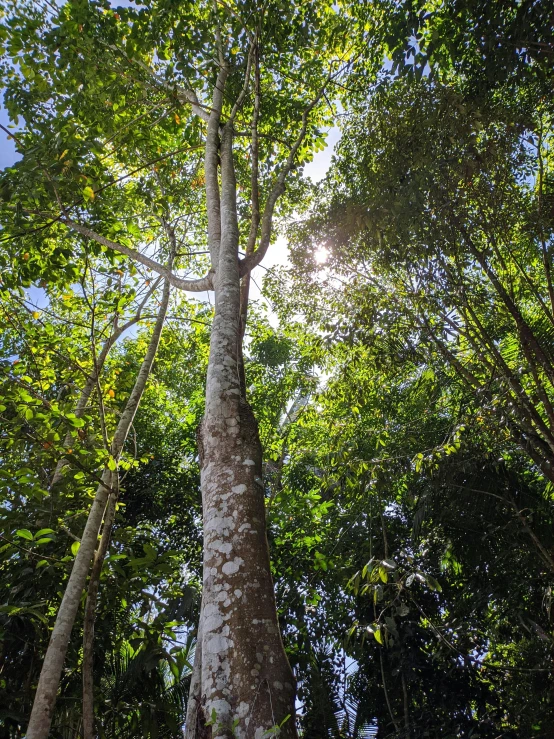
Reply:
x=45, y=697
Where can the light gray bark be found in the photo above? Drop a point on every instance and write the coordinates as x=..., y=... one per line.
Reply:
x=245, y=679
x=253, y=259
x=241, y=674
x=90, y=615
x=211, y=161
x=255, y=216
x=198, y=286
x=45, y=697
x=194, y=707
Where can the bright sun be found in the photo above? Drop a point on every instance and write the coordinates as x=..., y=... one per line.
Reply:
x=321, y=255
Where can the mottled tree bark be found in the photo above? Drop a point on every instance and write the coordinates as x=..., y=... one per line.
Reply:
x=242, y=684
x=245, y=675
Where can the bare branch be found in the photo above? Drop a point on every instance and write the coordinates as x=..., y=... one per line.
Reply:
x=211, y=165
x=255, y=218
x=255, y=194
x=252, y=260
x=199, y=285
x=218, y=40
x=240, y=99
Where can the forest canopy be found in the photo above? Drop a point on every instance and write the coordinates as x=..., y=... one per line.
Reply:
x=277, y=450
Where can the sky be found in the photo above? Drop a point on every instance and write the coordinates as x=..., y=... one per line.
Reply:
x=8, y=154
x=317, y=169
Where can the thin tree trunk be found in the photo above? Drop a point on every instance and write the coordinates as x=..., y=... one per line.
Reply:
x=407, y=731
x=255, y=218
x=93, y=378
x=535, y=539
x=194, y=715
x=246, y=683
x=90, y=614
x=79, y=411
x=45, y=697
x=386, y=692
x=527, y=439
x=526, y=335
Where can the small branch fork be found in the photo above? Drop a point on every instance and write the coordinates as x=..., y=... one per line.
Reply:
x=198, y=285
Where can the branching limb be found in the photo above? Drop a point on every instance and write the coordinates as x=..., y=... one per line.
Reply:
x=254, y=151
x=92, y=380
x=184, y=94
x=45, y=696
x=199, y=285
x=240, y=99
x=90, y=613
x=255, y=217
x=250, y=261
x=211, y=167
x=527, y=337
x=218, y=39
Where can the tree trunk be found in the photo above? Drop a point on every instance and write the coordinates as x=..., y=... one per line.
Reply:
x=79, y=411
x=90, y=615
x=242, y=684
x=45, y=697
x=93, y=378
x=195, y=713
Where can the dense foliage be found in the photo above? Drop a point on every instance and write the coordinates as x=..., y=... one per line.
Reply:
x=401, y=368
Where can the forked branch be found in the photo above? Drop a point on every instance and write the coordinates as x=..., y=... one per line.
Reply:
x=250, y=261
x=198, y=285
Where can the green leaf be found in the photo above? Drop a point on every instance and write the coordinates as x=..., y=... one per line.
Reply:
x=44, y=531
x=433, y=583
x=75, y=548
x=25, y=534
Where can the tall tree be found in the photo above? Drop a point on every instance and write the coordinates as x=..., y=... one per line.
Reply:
x=206, y=77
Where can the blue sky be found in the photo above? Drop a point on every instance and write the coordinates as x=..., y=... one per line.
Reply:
x=8, y=154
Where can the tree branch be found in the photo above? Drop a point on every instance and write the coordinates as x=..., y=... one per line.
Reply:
x=184, y=94
x=211, y=166
x=242, y=94
x=255, y=217
x=250, y=261
x=199, y=285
